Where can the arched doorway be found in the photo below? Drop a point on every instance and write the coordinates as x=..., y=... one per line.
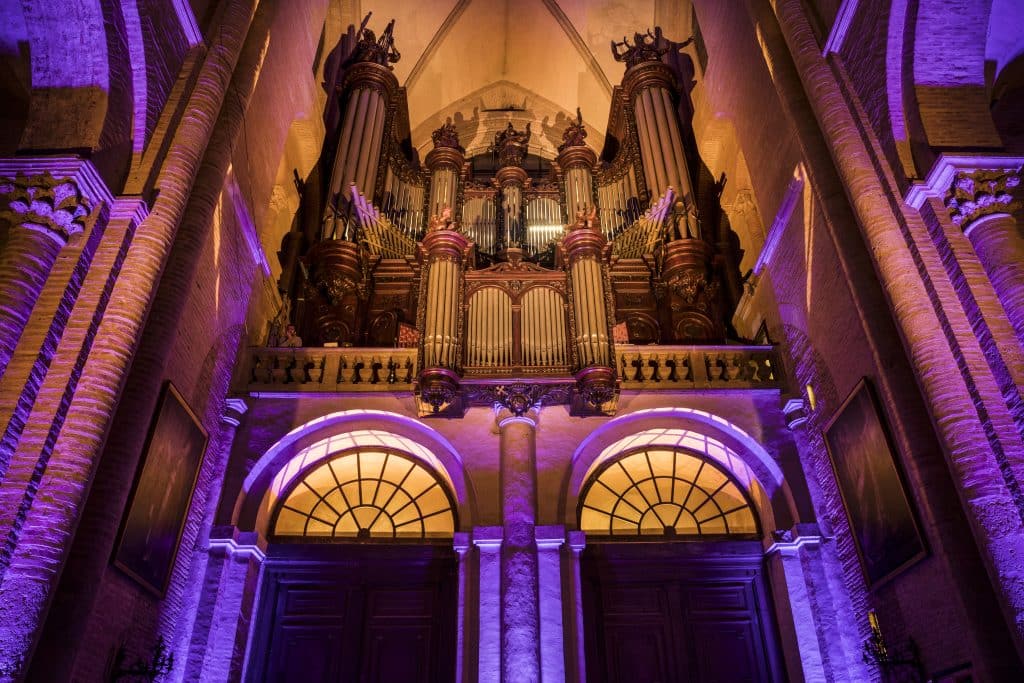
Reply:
x=360, y=580
x=673, y=572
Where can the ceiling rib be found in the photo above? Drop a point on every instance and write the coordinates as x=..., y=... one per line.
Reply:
x=435, y=42
x=581, y=47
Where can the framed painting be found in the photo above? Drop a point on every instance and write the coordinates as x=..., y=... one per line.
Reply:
x=152, y=527
x=883, y=523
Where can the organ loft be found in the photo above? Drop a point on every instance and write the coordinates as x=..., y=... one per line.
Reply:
x=511, y=341
x=504, y=266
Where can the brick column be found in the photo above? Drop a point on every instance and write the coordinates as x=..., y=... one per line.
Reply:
x=44, y=212
x=981, y=202
x=76, y=423
x=190, y=630
x=980, y=434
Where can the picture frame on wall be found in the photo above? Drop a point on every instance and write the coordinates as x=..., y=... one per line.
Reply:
x=151, y=529
x=884, y=526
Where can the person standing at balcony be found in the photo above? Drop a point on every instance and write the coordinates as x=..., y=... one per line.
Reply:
x=290, y=339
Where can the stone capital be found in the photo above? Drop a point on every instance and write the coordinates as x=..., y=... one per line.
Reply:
x=234, y=409
x=53, y=206
x=974, y=195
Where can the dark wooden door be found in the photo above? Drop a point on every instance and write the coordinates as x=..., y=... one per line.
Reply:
x=356, y=613
x=677, y=612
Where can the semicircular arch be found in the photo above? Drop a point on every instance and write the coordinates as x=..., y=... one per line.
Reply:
x=324, y=437
x=686, y=429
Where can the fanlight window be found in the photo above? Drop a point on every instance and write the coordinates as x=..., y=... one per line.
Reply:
x=660, y=491
x=367, y=494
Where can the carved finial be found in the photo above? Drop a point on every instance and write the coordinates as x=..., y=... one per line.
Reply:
x=574, y=134
x=371, y=49
x=446, y=136
x=646, y=47
x=511, y=145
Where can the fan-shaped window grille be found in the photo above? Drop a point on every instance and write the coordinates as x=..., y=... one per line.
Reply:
x=659, y=491
x=367, y=494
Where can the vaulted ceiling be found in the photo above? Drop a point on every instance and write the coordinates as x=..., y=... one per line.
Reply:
x=483, y=63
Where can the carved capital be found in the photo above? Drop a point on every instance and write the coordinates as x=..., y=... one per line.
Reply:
x=53, y=206
x=976, y=194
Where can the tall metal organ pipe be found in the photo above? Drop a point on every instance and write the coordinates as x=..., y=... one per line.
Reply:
x=369, y=87
x=441, y=293
x=445, y=164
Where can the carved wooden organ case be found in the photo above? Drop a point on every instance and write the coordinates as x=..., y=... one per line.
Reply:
x=524, y=275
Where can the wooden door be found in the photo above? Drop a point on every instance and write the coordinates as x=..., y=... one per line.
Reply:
x=356, y=613
x=677, y=612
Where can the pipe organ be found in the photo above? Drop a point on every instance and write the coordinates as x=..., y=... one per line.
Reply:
x=507, y=272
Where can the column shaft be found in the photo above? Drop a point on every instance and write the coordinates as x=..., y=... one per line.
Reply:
x=999, y=243
x=25, y=264
x=520, y=622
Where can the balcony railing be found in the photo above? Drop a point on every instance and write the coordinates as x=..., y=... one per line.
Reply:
x=389, y=369
x=698, y=367
x=330, y=369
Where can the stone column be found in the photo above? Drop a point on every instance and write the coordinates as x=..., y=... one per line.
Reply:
x=520, y=618
x=815, y=647
x=445, y=165
x=488, y=542
x=443, y=251
x=577, y=542
x=550, y=540
x=981, y=202
x=584, y=248
x=649, y=85
x=44, y=212
x=461, y=544
x=228, y=609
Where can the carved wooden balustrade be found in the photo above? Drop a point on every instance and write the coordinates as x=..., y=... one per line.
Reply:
x=389, y=369
x=698, y=367
x=330, y=369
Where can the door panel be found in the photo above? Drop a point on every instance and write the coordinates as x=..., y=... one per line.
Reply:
x=356, y=613
x=693, y=612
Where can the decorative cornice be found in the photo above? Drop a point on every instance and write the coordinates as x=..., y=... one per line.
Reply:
x=518, y=398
